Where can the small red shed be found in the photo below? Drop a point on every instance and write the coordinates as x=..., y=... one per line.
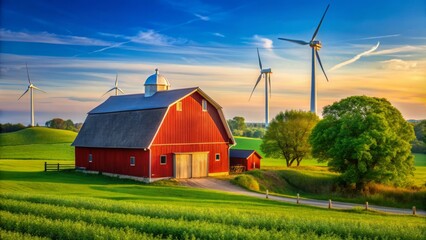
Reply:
x=249, y=159
x=163, y=133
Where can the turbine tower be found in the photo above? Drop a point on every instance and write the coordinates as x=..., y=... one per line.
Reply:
x=30, y=88
x=315, y=45
x=116, y=88
x=266, y=73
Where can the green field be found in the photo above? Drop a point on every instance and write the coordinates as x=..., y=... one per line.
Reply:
x=72, y=205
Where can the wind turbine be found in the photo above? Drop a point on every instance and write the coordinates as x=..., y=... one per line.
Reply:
x=30, y=88
x=267, y=75
x=315, y=45
x=116, y=88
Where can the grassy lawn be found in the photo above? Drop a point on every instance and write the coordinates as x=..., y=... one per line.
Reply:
x=72, y=205
x=58, y=203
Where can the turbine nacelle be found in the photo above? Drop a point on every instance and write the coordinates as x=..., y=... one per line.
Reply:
x=315, y=44
x=268, y=70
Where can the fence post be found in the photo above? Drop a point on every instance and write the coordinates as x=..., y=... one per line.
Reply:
x=414, y=210
x=366, y=206
x=329, y=204
x=45, y=166
x=297, y=201
x=58, y=166
x=267, y=193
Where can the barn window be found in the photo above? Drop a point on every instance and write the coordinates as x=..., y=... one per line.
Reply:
x=90, y=158
x=217, y=157
x=179, y=106
x=163, y=159
x=132, y=161
x=204, y=104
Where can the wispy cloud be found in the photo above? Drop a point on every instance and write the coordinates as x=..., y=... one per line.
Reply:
x=356, y=58
x=50, y=38
x=263, y=42
x=399, y=64
x=201, y=17
x=399, y=50
x=218, y=35
x=380, y=37
x=151, y=37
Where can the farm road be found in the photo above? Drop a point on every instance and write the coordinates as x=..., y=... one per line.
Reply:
x=226, y=186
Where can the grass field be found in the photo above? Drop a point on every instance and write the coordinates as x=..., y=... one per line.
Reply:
x=71, y=205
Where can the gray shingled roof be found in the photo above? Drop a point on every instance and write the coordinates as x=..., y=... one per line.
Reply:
x=132, y=129
x=122, y=103
x=239, y=153
x=131, y=121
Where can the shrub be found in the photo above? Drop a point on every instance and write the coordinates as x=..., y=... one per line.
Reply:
x=246, y=181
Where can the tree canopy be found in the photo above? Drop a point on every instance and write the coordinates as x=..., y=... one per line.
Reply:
x=287, y=136
x=366, y=139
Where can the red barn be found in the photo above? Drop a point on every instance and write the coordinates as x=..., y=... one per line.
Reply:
x=160, y=134
x=249, y=159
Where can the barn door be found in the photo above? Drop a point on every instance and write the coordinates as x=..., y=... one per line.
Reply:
x=199, y=164
x=183, y=165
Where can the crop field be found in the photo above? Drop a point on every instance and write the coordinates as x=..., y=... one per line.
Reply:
x=72, y=205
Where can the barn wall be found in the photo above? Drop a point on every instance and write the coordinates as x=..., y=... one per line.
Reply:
x=214, y=166
x=190, y=130
x=251, y=159
x=113, y=160
x=191, y=125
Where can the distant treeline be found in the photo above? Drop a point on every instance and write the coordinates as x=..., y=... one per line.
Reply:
x=240, y=128
x=10, y=127
x=59, y=123
x=419, y=144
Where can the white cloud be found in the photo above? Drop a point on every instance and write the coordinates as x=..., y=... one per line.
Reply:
x=398, y=50
x=50, y=38
x=151, y=37
x=201, y=17
x=356, y=58
x=263, y=42
x=218, y=34
x=398, y=64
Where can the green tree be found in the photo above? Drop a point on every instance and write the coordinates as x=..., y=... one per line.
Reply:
x=366, y=139
x=237, y=125
x=287, y=136
x=420, y=131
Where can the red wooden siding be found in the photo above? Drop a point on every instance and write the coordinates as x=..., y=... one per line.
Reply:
x=214, y=166
x=190, y=130
x=247, y=162
x=192, y=124
x=112, y=160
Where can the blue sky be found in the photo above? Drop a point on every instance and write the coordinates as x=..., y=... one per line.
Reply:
x=74, y=49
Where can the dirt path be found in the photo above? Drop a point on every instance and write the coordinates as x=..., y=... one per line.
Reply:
x=226, y=186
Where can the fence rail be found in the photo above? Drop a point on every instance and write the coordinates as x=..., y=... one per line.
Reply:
x=57, y=166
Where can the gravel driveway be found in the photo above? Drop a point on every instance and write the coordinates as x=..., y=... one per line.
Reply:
x=226, y=186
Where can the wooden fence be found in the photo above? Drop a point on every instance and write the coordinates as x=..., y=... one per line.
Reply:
x=57, y=166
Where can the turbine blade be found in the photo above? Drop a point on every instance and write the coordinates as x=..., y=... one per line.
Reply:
x=119, y=89
x=38, y=89
x=24, y=93
x=116, y=80
x=257, y=82
x=319, y=25
x=28, y=74
x=108, y=91
x=319, y=60
x=301, y=42
x=260, y=62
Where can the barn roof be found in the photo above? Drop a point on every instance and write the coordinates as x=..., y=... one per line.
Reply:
x=239, y=153
x=120, y=129
x=133, y=102
x=116, y=123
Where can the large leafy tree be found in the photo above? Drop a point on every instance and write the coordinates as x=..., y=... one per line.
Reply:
x=287, y=136
x=366, y=139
